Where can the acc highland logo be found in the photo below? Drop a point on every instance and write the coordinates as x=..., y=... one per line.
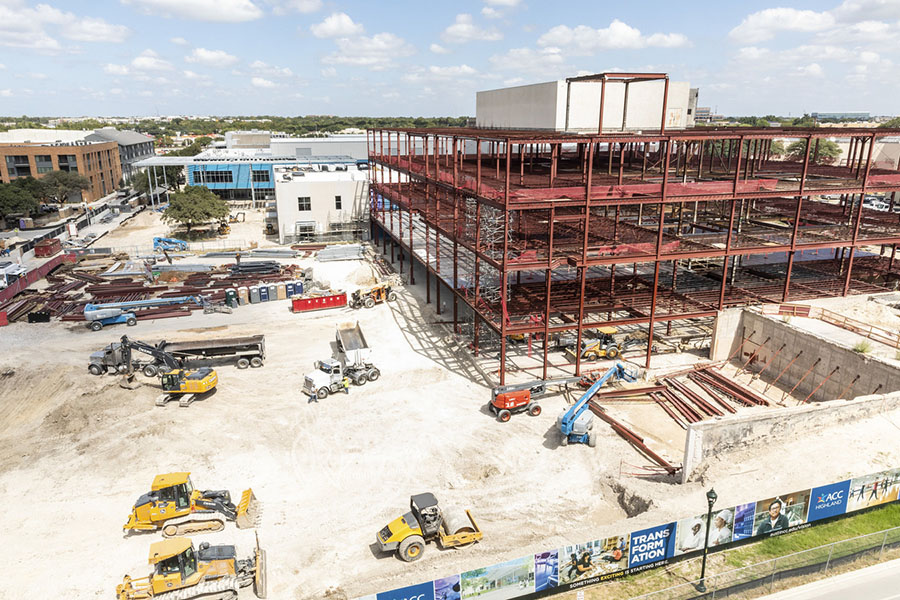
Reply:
x=829, y=500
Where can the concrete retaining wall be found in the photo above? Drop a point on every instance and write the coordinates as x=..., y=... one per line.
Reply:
x=713, y=438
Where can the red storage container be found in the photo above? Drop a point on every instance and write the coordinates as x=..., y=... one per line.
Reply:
x=47, y=248
x=305, y=303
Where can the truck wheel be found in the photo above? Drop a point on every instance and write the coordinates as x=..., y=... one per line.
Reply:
x=95, y=369
x=361, y=379
x=564, y=441
x=373, y=374
x=612, y=352
x=150, y=370
x=534, y=409
x=369, y=303
x=131, y=322
x=96, y=325
x=411, y=548
x=256, y=362
x=392, y=297
x=504, y=415
x=591, y=357
x=592, y=439
x=243, y=363
x=322, y=393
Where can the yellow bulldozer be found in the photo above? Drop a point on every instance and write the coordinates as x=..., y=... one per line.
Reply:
x=181, y=573
x=176, y=508
x=426, y=521
x=604, y=346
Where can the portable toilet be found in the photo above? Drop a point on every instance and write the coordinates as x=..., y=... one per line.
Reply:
x=273, y=291
x=281, y=290
x=298, y=287
x=254, y=294
x=289, y=288
x=263, y=293
x=244, y=295
x=231, y=297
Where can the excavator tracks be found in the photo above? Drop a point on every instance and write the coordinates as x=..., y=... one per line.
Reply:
x=191, y=525
x=225, y=588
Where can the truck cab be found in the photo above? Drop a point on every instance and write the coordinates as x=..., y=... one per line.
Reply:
x=9, y=273
x=327, y=378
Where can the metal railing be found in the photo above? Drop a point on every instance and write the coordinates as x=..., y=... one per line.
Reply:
x=760, y=578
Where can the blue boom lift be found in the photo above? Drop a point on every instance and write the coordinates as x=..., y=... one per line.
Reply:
x=576, y=422
x=160, y=244
x=111, y=313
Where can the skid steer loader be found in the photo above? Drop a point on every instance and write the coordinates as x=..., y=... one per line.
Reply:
x=210, y=572
x=176, y=508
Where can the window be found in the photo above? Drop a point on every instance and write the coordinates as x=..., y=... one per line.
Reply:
x=260, y=176
x=215, y=177
x=304, y=203
x=337, y=203
x=68, y=162
x=18, y=166
x=44, y=163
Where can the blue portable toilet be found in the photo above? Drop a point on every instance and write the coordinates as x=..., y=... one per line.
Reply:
x=254, y=294
x=263, y=293
x=298, y=287
x=289, y=288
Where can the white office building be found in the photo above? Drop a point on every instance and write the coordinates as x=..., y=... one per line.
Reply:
x=321, y=201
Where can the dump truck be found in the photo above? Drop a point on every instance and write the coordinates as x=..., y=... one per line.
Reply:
x=354, y=363
x=174, y=507
x=351, y=343
x=426, y=521
x=182, y=573
x=248, y=351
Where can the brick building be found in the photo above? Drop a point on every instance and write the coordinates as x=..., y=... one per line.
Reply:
x=98, y=161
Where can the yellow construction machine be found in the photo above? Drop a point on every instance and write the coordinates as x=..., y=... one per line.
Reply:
x=224, y=228
x=175, y=507
x=604, y=346
x=181, y=573
x=186, y=386
x=426, y=521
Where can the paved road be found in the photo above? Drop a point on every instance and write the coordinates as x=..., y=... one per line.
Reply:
x=881, y=582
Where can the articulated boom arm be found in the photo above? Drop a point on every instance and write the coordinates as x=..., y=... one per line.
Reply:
x=617, y=370
x=167, y=359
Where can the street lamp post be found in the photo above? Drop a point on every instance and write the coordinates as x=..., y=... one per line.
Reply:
x=710, y=500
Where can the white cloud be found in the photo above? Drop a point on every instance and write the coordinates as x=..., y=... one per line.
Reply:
x=491, y=13
x=180, y=41
x=457, y=71
x=116, y=69
x=546, y=62
x=811, y=70
x=860, y=10
x=262, y=83
x=763, y=25
x=336, y=25
x=438, y=49
x=377, y=51
x=38, y=75
x=587, y=40
x=211, y=58
x=6, y=93
x=283, y=7
x=464, y=30
x=23, y=27
x=2, y=66
x=508, y=3
x=95, y=30
x=213, y=11
x=272, y=71
x=329, y=72
x=148, y=60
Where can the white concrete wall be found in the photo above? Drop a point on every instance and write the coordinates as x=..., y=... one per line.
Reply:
x=321, y=188
x=345, y=145
x=543, y=106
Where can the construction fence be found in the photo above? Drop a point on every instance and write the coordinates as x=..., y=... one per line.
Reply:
x=595, y=561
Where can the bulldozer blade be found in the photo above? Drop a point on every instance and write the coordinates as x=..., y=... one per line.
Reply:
x=247, y=510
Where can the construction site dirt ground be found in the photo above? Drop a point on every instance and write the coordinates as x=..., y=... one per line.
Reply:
x=77, y=450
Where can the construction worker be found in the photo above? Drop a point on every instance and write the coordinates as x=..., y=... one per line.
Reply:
x=346, y=383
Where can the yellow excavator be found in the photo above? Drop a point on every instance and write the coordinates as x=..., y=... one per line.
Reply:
x=181, y=573
x=175, y=507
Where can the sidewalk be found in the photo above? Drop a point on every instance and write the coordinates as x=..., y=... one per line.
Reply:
x=878, y=582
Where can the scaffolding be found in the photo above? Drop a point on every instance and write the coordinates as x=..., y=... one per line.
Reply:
x=540, y=233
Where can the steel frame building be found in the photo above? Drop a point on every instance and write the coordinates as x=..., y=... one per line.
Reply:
x=539, y=233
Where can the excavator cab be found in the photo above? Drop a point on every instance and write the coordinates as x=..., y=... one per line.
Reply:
x=179, y=381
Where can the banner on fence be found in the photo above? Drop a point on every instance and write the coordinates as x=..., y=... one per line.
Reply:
x=595, y=561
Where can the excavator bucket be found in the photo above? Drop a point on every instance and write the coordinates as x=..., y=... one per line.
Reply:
x=247, y=510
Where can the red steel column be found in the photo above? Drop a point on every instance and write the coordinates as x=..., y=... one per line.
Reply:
x=662, y=124
x=549, y=280
x=859, y=211
x=737, y=174
x=504, y=313
x=477, y=240
x=586, y=227
x=790, y=262
x=659, y=239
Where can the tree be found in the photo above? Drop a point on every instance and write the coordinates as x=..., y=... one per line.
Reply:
x=33, y=186
x=59, y=185
x=194, y=206
x=827, y=152
x=777, y=148
x=15, y=199
x=893, y=123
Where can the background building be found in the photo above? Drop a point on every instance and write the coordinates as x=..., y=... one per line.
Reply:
x=281, y=144
x=840, y=116
x=133, y=147
x=98, y=161
x=629, y=102
x=321, y=199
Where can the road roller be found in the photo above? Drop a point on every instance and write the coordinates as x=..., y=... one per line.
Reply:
x=426, y=521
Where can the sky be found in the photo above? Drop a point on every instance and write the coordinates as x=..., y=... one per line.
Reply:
x=424, y=58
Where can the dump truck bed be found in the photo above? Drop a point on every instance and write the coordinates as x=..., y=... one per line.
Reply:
x=253, y=344
x=350, y=337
